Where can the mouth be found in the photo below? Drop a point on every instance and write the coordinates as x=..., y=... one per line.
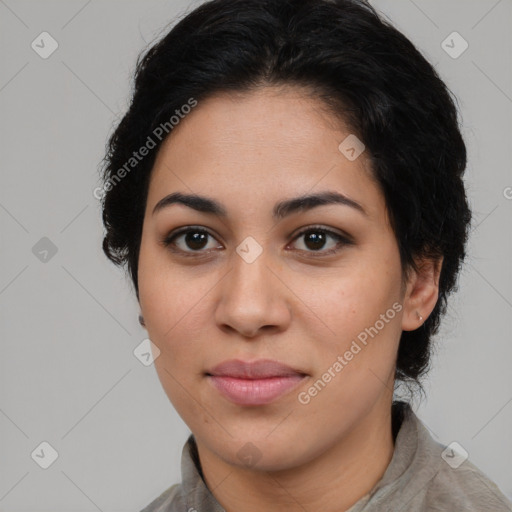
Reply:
x=254, y=382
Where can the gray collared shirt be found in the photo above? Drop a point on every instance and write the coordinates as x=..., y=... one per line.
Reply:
x=423, y=475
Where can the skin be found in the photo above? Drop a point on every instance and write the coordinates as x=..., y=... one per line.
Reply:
x=249, y=152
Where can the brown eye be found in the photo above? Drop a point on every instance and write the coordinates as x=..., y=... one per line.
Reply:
x=315, y=239
x=189, y=240
x=196, y=240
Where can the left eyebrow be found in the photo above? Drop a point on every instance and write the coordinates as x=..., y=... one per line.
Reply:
x=307, y=202
x=281, y=210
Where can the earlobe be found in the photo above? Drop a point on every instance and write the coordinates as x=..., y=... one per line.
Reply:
x=421, y=294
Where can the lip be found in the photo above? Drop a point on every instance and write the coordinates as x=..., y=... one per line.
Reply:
x=254, y=382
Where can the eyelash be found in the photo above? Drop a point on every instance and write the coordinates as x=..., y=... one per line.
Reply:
x=168, y=240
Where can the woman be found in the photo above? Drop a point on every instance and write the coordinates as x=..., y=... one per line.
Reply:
x=286, y=192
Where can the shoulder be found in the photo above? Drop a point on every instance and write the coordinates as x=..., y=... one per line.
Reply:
x=164, y=502
x=456, y=483
x=465, y=489
x=426, y=475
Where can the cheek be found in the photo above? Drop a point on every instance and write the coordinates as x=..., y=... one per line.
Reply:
x=347, y=300
x=357, y=366
x=174, y=311
x=164, y=290
x=174, y=307
x=174, y=314
x=183, y=387
x=359, y=310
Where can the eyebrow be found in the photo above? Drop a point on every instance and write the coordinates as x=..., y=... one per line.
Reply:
x=281, y=210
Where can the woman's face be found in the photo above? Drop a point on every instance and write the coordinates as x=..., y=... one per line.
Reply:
x=247, y=286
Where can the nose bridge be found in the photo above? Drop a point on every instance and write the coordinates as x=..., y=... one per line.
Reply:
x=250, y=276
x=251, y=296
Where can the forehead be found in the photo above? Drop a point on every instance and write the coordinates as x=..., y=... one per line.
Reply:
x=273, y=142
x=269, y=118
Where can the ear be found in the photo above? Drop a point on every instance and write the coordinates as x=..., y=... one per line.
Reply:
x=422, y=292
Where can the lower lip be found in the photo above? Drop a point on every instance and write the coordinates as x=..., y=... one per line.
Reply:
x=255, y=391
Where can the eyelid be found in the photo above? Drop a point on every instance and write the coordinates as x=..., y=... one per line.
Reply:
x=343, y=240
x=167, y=240
x=330, y=231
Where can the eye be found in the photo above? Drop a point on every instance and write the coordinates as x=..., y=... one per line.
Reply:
x=316, y=237
x=189, y=240
x=193, y=241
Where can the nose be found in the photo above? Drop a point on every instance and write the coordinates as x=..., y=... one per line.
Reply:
x=253, y=299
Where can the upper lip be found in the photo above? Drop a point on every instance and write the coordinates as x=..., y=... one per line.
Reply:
x=260, y=369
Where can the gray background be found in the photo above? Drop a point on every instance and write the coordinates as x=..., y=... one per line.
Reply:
x=69, y=325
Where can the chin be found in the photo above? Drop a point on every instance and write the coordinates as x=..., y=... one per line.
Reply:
x=256, y=450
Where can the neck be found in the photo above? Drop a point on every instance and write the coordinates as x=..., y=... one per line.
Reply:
x=333, y=481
